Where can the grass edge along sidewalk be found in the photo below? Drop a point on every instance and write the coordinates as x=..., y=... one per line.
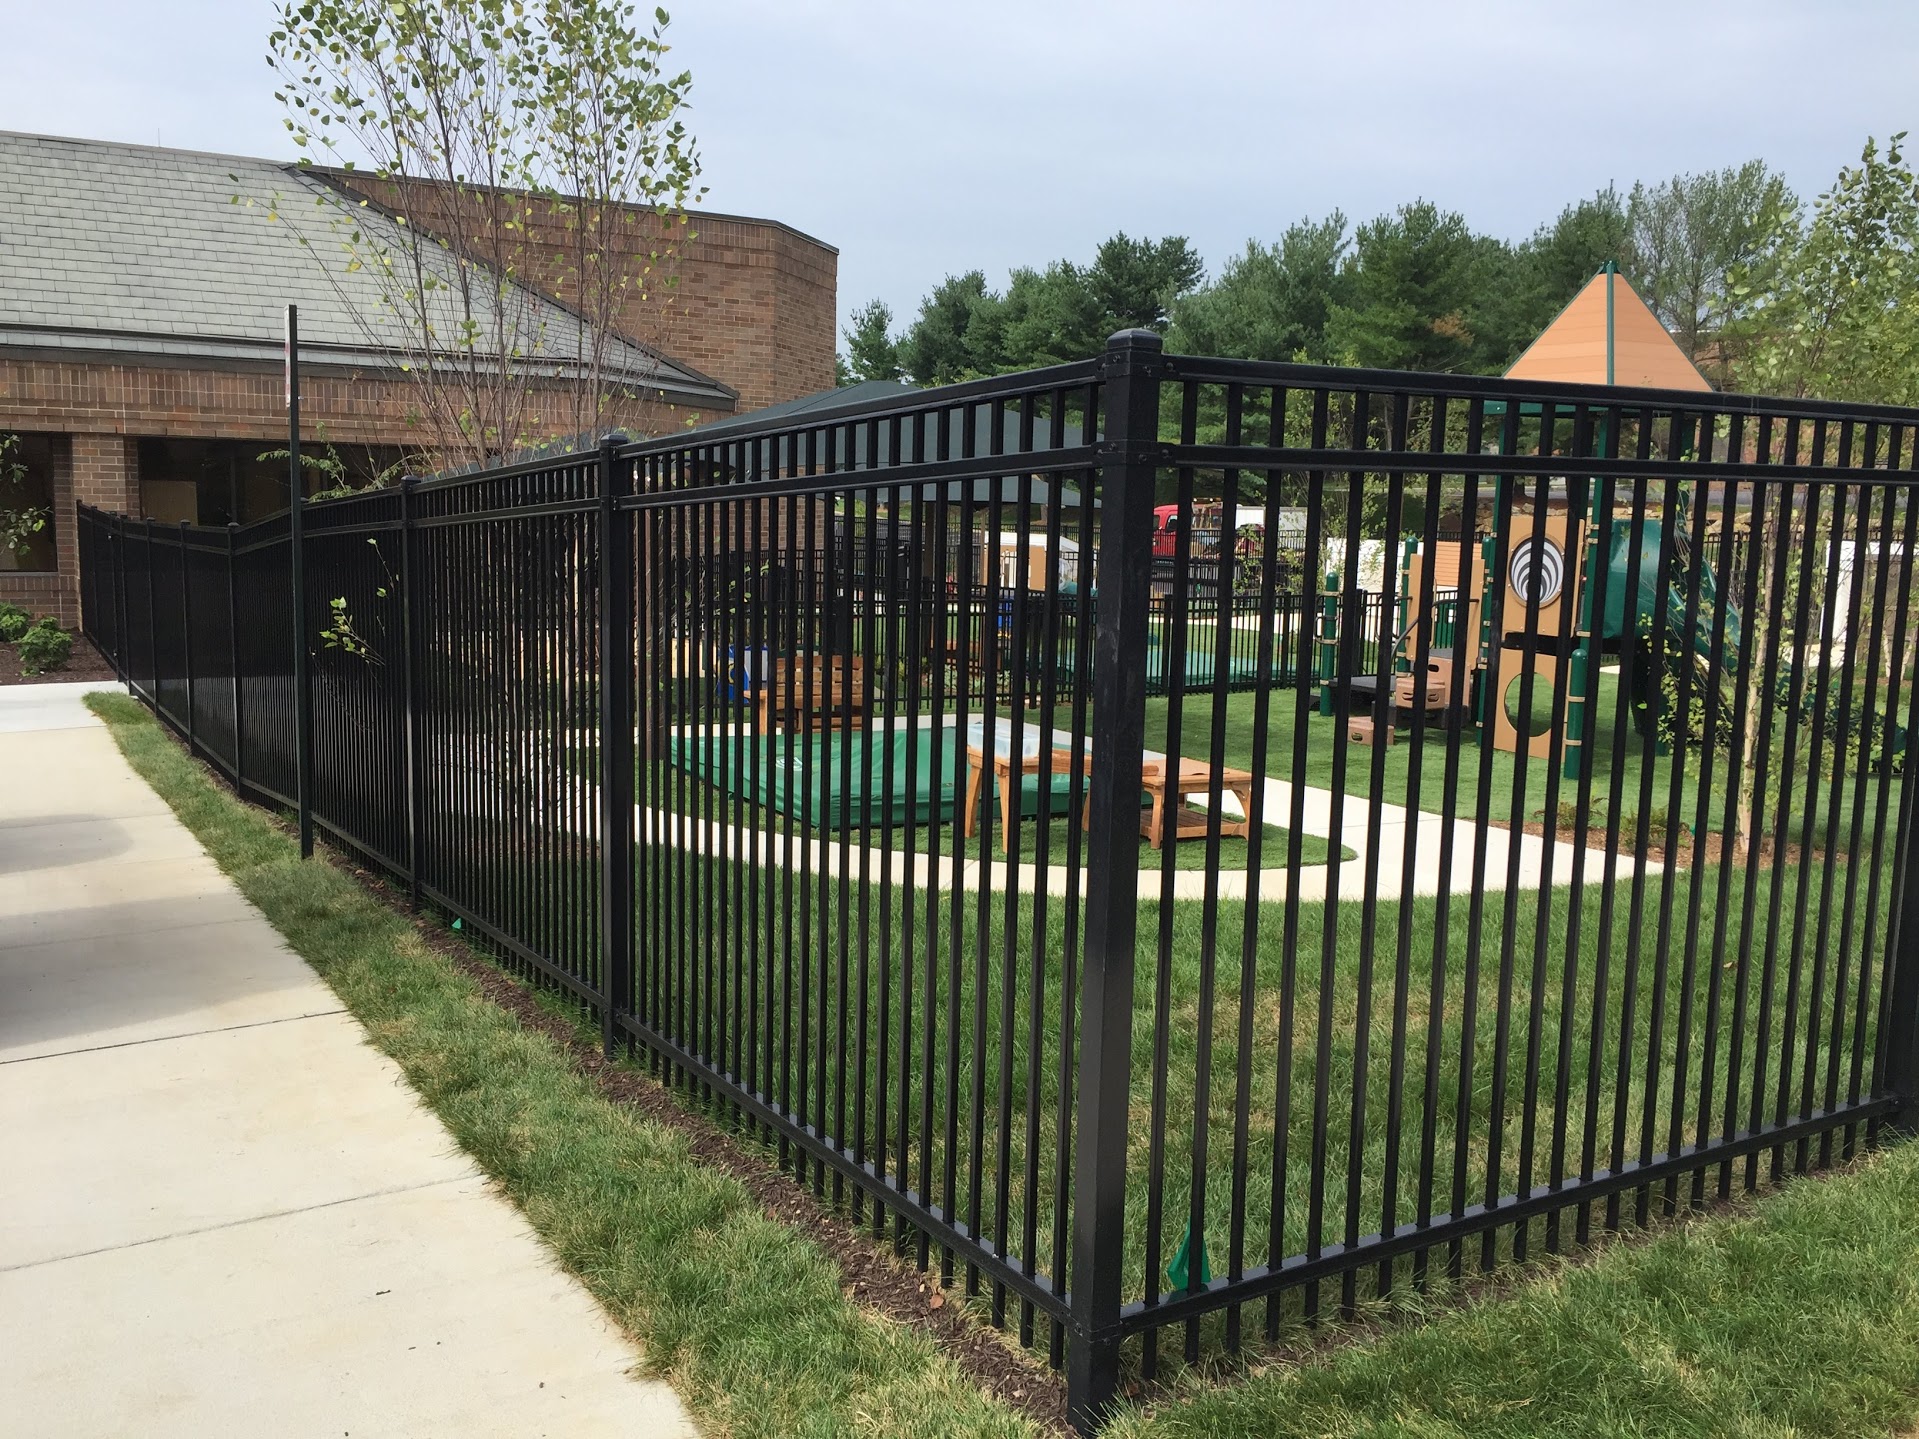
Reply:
x=1799, y=1316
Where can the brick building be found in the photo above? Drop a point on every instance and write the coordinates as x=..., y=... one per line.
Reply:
x=142, y=303
x=751, y=301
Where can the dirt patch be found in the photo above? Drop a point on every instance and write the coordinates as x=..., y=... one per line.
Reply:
x=85, y=663
x=870, y=1274
x=1682, y=851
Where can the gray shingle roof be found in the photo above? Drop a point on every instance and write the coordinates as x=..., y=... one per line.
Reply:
x=129, y=250
x=821, y=403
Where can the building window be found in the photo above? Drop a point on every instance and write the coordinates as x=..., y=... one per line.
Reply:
x=27, y=510
x=218, y=482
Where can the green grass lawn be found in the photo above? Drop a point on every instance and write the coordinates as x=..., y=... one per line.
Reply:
x=1802, y=1318
x=969, y=957
x=1798, y=1319
x=854, y=967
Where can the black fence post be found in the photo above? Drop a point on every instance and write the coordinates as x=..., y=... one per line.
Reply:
x=233, y=658
x=296, y=550
x=82, y=543
x=153, y=634
x=616, y=743
x=409, y=673
x=186, y=629
x=1901, y=1063
x=1131, y=369
x=117, y=535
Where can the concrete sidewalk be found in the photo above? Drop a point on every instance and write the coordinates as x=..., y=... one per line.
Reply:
x=221, y=1211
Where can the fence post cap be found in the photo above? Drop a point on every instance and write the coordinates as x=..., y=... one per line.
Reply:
x=616, y=437
x=1136, y=339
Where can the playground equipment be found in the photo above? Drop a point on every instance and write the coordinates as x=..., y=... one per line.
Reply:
x=804, y=695
x=1552, y=570
x=1516, y=611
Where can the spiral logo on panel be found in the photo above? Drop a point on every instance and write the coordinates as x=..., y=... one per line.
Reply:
x=1537, y=572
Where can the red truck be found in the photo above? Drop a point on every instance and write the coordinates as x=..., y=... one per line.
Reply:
x=1207, y=518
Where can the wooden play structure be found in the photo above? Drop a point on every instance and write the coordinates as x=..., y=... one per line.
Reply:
x=808, y=693
x=1514, y=643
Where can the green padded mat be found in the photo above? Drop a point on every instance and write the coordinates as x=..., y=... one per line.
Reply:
x=835, y=780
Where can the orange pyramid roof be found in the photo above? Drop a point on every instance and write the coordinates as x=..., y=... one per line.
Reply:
x=1574, y=346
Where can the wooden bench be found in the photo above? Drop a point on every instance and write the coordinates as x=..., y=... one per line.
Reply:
x=807, y=692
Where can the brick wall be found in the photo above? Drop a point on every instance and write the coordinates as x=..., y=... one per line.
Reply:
x=102, y=471
x=754, y=307
x=348, y=407
x=752, y=304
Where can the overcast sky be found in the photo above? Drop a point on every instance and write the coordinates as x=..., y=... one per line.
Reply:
x=925, y=138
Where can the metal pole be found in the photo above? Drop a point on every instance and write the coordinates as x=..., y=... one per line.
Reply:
x=296, y=545
x=1901, y=1071
x=1611, y=270
x=616, y=743
x=1131, y=369
x=117, y=529
x=233, y=655
x=1329, y=643
x=409, y=619
x=89, y=606
x=153, y=636
x=186, y=630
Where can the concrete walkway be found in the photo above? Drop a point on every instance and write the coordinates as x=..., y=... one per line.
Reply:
x=221, y=1211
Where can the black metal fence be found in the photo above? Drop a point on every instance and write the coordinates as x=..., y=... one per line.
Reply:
x=737, y=741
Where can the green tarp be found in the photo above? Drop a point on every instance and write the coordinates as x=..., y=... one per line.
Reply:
x=836, y=780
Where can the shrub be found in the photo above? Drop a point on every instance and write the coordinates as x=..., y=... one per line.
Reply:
x=1658, y=825
x=13, y=622
x=1685, y=671
x=1848, y=732
x=43, y=648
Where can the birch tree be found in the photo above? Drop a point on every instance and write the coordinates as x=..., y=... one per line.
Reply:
x=480, y=120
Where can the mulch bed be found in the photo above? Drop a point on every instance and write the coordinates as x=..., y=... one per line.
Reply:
x=85, y=663
x=870, y=1274
x=1682, y=851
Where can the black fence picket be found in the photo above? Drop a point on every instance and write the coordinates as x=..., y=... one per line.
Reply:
x=1558, y=871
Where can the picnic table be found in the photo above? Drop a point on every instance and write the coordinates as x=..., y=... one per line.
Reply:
x=1166, y=787
x=1057, y=760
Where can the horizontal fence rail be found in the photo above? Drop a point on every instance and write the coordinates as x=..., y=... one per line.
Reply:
x=1169, y=942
